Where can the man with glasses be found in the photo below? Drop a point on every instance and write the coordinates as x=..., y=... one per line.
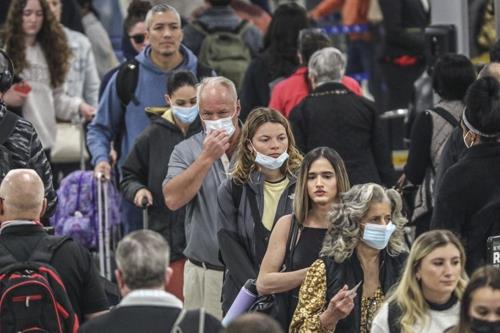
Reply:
x=196, y=168
x=114, y=122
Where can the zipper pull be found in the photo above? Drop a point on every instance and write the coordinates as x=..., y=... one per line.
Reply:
x=27, y=301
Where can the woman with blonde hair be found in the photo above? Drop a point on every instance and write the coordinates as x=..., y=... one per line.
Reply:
x=257, y=193
x=427, y=297
x=296, y=240
x=480, y=307
x=362, y=255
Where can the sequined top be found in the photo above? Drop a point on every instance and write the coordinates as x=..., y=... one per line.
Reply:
x=312, y=302
x=369, y=307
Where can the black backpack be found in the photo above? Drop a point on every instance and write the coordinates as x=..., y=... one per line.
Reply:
x=32, y=295
x=126, y=83
x=7, y=126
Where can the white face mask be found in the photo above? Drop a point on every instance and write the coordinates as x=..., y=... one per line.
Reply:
x=378, y=236
x=225, y=124
x=269, y=162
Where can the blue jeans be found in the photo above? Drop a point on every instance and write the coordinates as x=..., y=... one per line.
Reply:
x=361, y=59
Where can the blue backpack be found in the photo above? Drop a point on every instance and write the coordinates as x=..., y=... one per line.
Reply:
x=76, y=214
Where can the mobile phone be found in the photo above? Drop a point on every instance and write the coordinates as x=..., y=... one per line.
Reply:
x=352, y=291
x=22, y=87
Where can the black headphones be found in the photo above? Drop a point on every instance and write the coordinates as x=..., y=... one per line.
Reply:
x=6, y=72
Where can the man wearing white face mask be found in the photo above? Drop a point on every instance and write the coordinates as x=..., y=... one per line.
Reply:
x=197, y=167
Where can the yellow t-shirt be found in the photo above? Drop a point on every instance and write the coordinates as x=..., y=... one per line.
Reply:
x=272, y=195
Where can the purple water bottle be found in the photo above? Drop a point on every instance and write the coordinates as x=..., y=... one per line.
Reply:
x=246, y=296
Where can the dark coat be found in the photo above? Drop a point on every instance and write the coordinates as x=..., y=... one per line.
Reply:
x=256, y=87
x=146, y=167
x=350, y=272
x=237, y=232
x=151, y=319
x=404, y=23
x=467, y=187
x=335, y=117
x=452, y=151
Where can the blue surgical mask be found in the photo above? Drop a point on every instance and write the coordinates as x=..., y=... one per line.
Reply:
x=483, y=326
x=186, y=115
x=225, y=124
x=377, y=236
x=269, y=162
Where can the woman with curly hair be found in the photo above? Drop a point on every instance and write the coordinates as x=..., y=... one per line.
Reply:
x=255, y=196
x=362, y=255
x=297, y=238
x=35, y=41
x=427, y=299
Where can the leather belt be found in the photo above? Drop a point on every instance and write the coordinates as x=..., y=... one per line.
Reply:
x=206, y=265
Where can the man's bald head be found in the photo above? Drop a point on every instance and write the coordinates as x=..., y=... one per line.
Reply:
x=22, y=192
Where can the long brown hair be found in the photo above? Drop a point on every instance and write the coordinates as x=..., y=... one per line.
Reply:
x=51, y=38
x=245, y=158
x=302, y=201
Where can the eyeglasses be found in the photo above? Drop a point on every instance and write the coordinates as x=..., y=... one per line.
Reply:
x=138, y=38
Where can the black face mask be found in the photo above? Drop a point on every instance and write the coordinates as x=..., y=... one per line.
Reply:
x=483, y=326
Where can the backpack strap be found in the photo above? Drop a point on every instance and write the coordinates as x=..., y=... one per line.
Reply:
x=176, y=328
x=7, y=125
x=126, y=82
x=6, y=257
x=205, y=30
x=43, y=251
x=293, y=234
x=445, y=115
x=236, y=192
x=46, y=248
x=203, y=71
x=393, y=316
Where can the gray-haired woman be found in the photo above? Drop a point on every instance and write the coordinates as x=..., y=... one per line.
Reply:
x=361, y=259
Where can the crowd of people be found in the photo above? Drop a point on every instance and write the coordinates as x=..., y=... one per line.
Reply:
x=263, y=171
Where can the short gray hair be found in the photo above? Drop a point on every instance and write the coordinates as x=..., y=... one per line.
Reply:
x=160, y=8
x=327, y=65
x=217, y=81
x=142, y=257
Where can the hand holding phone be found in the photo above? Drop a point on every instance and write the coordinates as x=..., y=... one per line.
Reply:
x=352, y=291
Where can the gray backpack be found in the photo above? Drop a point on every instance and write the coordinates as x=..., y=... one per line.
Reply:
x=225, y=51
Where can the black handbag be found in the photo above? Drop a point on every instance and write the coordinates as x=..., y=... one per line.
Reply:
x=275, y=305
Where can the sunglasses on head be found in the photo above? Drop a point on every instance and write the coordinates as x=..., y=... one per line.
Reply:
x=138, y=38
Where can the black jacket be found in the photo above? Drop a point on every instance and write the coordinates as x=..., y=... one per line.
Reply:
x=452, y=151
x=237, y=232
x=404, y=23
x=313, y=299
x=335, y=117
x=467, y=187
x=151, y=319
x=27, y=152
x=146, y=167
x=350, y=272
x=259, y=77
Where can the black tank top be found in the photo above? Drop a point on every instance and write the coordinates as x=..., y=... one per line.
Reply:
x=307, y=249
x=305, y=253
